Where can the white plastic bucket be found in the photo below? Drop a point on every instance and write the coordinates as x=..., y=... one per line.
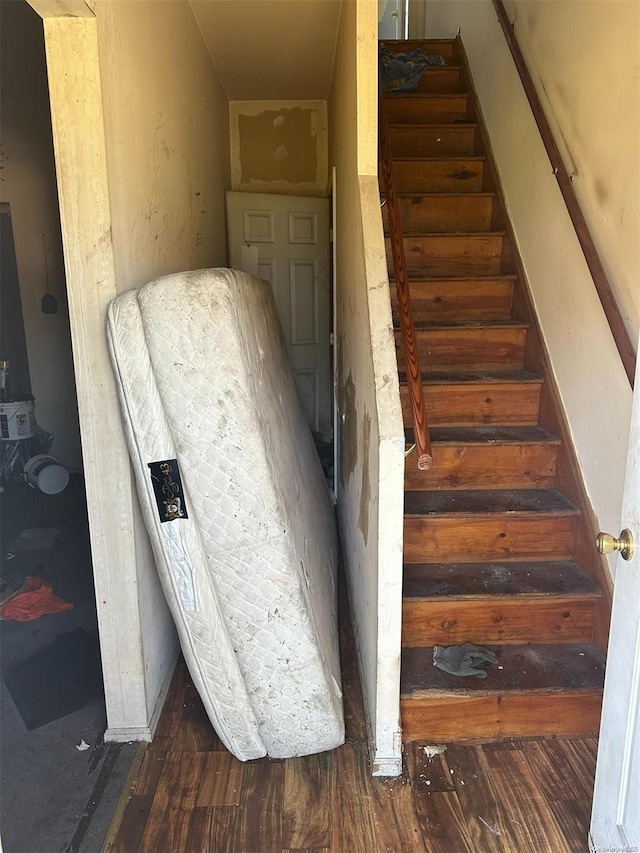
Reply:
x=17, y=420
x=46, y=474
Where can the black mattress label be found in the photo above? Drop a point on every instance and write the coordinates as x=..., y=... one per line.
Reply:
x=167, y=487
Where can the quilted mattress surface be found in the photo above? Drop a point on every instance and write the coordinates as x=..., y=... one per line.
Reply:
x=236, y=506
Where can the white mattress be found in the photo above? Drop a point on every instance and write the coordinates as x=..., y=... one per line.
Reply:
x=249, y=574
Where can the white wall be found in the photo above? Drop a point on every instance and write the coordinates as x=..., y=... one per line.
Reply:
x=167, y=147
x=592, y=383
x=167, y=139
x=371, y=440
x=29, y=185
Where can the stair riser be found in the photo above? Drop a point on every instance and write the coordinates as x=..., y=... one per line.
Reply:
x=491, y=466
x=445, y=213
x=451, y=255
x=464, y=405
x=431, y=47
x=505, y=715
x=454, y=175
x=508, y=621
x=407, y=109
x=472, y=538
x=439, y=80
x=432, y=141
x=468, y=349
x=439, y=301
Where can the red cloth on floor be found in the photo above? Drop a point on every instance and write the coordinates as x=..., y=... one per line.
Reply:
x=35, y=598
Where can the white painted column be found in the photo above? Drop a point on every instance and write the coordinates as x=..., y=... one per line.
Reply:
x=79, y=143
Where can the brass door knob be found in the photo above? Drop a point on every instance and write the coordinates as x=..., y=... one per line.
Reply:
x=607, y=544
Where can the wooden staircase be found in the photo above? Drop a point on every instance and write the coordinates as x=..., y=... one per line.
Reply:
x=498, y=540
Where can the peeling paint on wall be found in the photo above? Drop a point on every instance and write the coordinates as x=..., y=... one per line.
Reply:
x=348, y=429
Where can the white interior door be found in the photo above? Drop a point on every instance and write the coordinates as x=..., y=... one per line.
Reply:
x=285, y=240
x=615, y=820
x=392, y=19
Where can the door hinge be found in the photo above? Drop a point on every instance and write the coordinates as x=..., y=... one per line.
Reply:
x=331, y=339
x=331, y=235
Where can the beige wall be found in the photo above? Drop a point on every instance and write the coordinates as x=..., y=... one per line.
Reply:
x=371, y=438
x=279, y=146
x=167, y=138
x=265, y=49
x=29, y=185
x=591, y=39
x=590, y=89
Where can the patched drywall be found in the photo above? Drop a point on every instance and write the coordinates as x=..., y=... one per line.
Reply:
x=595, y=40
x=279, y=146
x=370, y=482
x=29, y=186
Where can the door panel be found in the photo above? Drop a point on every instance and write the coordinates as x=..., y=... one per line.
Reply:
x=392, y=16
x=285, y=241
x=615, y=821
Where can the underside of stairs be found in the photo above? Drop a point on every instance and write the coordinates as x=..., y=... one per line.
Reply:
x=498, y=537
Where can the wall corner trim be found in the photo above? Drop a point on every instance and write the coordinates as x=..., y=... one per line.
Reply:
x=64, y=8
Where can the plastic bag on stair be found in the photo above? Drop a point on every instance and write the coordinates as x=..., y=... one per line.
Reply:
x=464, y=660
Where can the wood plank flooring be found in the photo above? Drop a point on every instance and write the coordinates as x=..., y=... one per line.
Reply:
x=510, y=796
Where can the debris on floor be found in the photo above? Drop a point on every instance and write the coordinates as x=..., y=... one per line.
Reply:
x=34, y=599
x=36, y=539
x=436, y=749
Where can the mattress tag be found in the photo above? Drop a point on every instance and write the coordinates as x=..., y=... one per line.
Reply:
x=167, y=487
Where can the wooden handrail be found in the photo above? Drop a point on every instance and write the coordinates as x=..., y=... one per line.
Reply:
x=611, y=310
x=414, y=377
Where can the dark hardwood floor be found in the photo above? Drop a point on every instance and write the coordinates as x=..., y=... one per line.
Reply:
x=513, y=796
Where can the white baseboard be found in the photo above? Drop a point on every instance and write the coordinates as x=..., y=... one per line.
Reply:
x=387, y=765
x=126, y=734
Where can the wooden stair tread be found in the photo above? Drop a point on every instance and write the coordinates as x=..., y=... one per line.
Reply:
x=439, y=195
x=476, y=377
x=425, y=44
x=427, y=96
x=476, y=158
x=457, y=278
x=487, y=502
x=483, y=435
x=443, y=325
x=438, y=581
x=413, y=235
x=525, y=668
x=444, y=125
